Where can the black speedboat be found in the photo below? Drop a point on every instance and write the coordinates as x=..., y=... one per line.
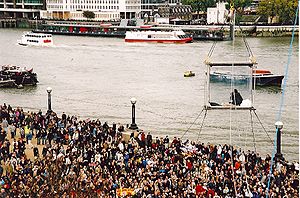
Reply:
x=20, y=75
x=260, y=78
x=7, y=83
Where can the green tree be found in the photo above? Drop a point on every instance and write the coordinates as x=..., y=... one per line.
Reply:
x=267, y=8
x=89, y=14
x=285, y=10
x=199, y=5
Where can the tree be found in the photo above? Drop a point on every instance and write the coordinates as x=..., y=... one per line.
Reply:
x=89, y=14
x=285, y=10
x=199, y=5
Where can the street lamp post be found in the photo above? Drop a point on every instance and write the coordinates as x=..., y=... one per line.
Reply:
x=279, y=126
x=49, y=90
x=133, y=124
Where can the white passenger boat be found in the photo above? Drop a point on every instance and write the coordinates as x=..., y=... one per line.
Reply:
x=36, y=39
x=176, y=36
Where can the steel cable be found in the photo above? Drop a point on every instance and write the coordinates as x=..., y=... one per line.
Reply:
x=282, y=97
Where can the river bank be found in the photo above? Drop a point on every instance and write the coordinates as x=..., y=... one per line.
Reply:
x=95, y=28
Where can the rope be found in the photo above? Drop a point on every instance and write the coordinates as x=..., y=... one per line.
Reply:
x=254, y=141
x=287, y=68
x=215, y=42
x=282, y=95
x=192, y=123
x=233, y=177
x=250, y=53
x=263, y=127
x=230, y=120
x=201, y=125
x=211, y=50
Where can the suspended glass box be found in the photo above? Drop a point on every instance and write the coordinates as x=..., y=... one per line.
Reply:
x=222, y=78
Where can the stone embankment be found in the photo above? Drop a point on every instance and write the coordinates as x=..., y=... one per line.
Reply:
x=19, y=23
x=259, y=31
x=267, y=31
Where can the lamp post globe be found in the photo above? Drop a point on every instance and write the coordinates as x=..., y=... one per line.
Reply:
x=279, y=126
x=133, y=125
x=133, y=100
x=49, y=90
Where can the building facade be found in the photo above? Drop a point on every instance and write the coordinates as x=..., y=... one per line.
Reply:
x=181, y=12
x=217, y=15
x=104, y=10
x=73, y=9
x=130, y=9
x=21, y=8
x=150, y=7
x=176, y=12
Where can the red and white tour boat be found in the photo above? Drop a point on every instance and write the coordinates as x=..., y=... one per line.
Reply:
x=175, y=36
x=36, y=39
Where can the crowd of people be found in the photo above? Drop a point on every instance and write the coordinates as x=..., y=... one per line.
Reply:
x=88, y=158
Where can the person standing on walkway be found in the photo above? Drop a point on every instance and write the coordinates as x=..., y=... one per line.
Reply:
x=12, y=129
x=5, y=125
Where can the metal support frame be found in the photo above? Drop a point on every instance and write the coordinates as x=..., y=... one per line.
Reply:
x=209, y=64
x=208, y=84
x=252, y=109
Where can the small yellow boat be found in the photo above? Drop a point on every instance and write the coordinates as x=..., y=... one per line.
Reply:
x=189, y=74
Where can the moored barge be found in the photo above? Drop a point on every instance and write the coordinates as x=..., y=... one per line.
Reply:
x=14, y=76
x=115, y=30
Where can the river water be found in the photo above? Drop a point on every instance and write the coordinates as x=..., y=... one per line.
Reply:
x=96, y=77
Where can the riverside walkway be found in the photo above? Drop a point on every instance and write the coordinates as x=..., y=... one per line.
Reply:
x=62, y=156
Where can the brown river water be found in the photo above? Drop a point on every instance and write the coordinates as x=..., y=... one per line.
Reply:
x=96, y=77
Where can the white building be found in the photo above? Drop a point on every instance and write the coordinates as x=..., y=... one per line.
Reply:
x=150, y=7
x=21, y=8
x=104, y=9
x=218, y=14
x=130, y=9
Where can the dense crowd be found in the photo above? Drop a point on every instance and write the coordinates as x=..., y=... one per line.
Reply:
x=87, y=158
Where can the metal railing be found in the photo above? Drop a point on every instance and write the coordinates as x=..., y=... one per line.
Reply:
x=30, y=1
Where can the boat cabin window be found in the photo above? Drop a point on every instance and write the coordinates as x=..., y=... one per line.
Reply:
x=37, y=36
x=149, y=36
x=32, y=41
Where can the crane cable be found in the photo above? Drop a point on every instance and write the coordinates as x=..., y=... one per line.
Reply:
x=202, y=125
x=230, y=111
x=250, y=53
x=253, y=135
x=263, y=127
x=282, y=99
x=192, y=124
